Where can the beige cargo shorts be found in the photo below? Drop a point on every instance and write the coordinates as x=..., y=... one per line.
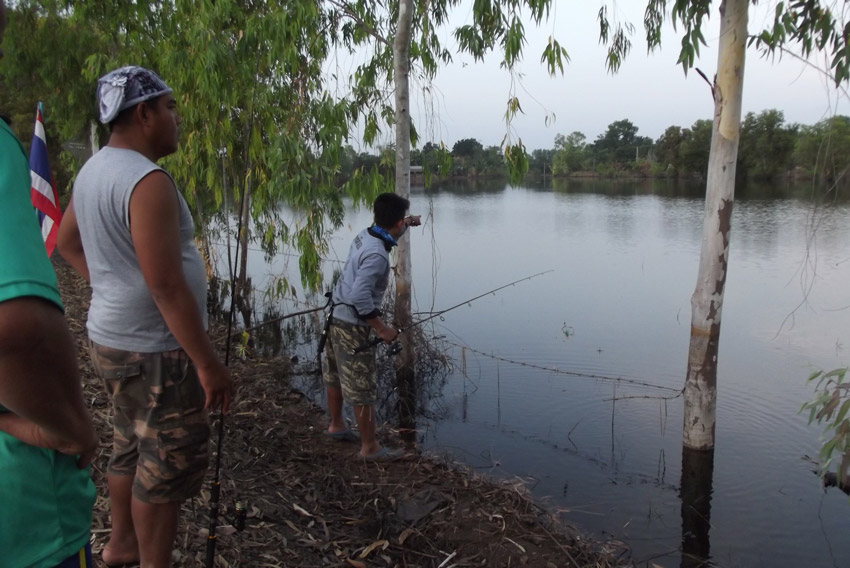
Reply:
x=160, y=428
x=353, y=373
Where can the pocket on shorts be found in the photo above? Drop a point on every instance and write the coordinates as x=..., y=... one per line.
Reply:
x=185, y=449
x=181, y=395
x=119, y=370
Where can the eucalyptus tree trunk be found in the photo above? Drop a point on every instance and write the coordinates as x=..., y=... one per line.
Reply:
x=93, y=137
x=707, y=302
x=406, y=361
x=243, y=282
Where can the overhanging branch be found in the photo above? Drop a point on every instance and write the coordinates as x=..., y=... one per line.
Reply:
x=346, y=9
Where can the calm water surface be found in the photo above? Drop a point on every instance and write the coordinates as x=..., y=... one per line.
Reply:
x=606, y=455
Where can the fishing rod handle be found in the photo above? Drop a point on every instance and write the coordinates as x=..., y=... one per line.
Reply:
x=323, y=338
x=367, y=346
x=373, y=343
x=215, y=492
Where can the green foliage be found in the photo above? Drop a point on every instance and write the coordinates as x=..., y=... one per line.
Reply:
x=620, y=143
x=766, y=145
x=668, y=147
x=469, y=158
x=690, y=14
x=830, y=407
x=517, y=160
x=769, y=149
x=554, y=56
x=370, y=26
x=541, y=162
x=434, y=159
x=45, y=49
x=683, y=151
x=491, y=162
x=811, y=25
x=467, y=148
x=570, y=153
x=823, y=151
x=256, y=117
x=696, y=147
x=653, y=18
x=660, y=170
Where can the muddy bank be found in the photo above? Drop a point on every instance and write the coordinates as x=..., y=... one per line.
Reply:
x=311, y=502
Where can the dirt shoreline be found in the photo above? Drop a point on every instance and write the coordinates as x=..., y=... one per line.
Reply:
x=311, y=502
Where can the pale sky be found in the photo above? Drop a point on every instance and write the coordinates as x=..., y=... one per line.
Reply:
x=468, y=98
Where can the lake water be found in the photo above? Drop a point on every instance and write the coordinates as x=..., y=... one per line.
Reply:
x=605, y=454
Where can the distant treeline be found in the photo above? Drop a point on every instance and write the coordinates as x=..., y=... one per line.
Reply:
x=769, y=149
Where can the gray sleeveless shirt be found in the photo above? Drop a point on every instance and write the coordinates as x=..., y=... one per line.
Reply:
x=123, y=314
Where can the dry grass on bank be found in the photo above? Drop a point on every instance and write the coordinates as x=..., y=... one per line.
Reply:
x=311, y=502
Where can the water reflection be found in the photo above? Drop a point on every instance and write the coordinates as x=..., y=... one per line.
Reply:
x=695, y=493
x=754, y=190
x=624, y=187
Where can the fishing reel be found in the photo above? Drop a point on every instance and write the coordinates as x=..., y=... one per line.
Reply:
x=239, y=517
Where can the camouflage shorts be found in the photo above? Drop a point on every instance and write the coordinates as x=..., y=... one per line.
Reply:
x=161, y=430
x=354, y=374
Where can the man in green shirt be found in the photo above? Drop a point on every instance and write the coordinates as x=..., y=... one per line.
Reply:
x=46, y=435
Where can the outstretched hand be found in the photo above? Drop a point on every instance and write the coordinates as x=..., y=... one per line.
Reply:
x=413, y=220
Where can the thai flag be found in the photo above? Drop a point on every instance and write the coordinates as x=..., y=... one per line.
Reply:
x=43, y=191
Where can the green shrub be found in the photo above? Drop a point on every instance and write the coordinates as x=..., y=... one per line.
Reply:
x=830, y=407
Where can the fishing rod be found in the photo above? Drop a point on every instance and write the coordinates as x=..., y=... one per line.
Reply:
x=215, y=489
x=276, y=320
x=433, y=315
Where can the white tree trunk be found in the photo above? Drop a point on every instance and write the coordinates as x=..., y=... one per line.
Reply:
x=93, y=137
x=405, y=364
x=707, y=302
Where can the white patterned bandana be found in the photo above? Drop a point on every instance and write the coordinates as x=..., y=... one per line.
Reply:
x=122, y=88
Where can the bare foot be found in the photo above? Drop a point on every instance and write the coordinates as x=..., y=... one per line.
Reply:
x=117, y=553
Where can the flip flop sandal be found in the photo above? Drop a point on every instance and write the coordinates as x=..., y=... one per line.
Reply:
x=385, y=455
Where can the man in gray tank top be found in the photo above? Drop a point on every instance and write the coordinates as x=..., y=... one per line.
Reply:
x=129, y=232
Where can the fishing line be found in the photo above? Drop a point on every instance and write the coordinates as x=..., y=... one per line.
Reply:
x=634, y=382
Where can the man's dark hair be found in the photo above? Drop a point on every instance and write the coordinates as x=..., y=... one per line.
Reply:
x=122, y=117
x=126, y=115
x=389, y=209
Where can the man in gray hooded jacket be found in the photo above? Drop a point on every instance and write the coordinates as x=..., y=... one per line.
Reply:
x=357, y=300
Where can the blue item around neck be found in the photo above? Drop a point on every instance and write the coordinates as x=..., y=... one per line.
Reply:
x=385, y=236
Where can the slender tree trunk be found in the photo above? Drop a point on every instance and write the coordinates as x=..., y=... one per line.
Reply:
x=707, y=302
x=406, y=362
x=243, y=283
x=93, y=137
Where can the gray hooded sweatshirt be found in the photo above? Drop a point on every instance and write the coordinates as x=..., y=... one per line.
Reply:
x=359, y=293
